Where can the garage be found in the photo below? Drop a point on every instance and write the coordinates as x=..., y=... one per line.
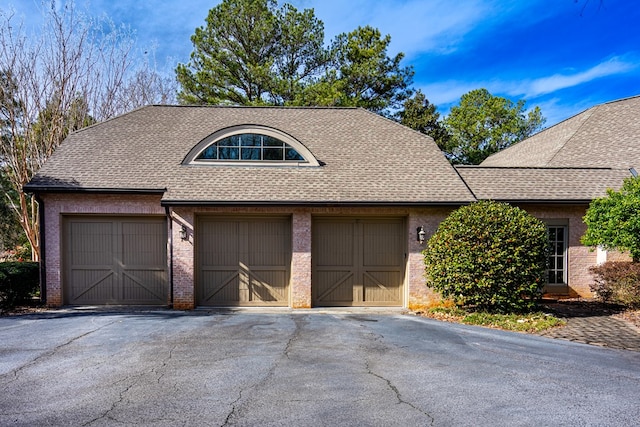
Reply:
x=358, y=262
x=115, y=260
x=243, y=261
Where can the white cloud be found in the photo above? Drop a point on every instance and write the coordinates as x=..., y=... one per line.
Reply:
x=416, y=26
x=550, y=84
x=450, y=91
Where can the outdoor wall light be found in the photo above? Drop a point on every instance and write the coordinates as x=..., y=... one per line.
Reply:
x=633, y=171
x=421, y=234
x=184, y=235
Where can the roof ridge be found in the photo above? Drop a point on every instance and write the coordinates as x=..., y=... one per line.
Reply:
x=117, y=116
x=538, y=167
x=588, y=112
x=273, y=107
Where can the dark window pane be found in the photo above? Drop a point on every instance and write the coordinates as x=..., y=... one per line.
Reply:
x=552, y=277
x=271, y=142
x=559, y=248
x=250, y=153
x=560, y=263
x=291, y=154
x=211, y=152
x=561, y=233
x=228, y=153
x=251, y=147
x=272, y=154
x=552, y=234
x=251, y=140
x=230, y=141
x=559, y=277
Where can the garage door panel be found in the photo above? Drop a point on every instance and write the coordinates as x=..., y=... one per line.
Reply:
x=381, y=286
x=227, y=251
x=143, y=285
x=268, y=285
x=268, y=243
x=333, y=243
x=383, y=244
x=223, y=287
x=115, y=260
x=358, y=262
x=141, y=242
x=91, y=244
x=333, y=287
x=92, y=286
x=243, y=260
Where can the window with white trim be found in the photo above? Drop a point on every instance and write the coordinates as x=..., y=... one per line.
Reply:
x=251, y=145
x=557, y=265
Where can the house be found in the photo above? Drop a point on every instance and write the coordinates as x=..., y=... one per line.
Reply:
x=210, y=206
x=299, y=207
x=556, y=173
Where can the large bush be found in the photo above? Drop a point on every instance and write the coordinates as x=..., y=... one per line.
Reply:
x=613, y=222
x=489, y=255
x=19, y=281
x=618, y=282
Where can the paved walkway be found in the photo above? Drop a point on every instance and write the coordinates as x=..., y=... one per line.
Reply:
x=594, y=327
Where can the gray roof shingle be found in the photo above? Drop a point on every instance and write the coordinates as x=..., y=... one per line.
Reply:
x=577, y=185
x=366, y=159
x=607, y=135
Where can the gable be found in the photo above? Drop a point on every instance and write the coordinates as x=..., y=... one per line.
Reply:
x=604, y=136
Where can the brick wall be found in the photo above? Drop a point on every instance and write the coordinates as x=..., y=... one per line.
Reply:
x=579, y=258
x=183, y=260
x=301, y=260
x=417, y=295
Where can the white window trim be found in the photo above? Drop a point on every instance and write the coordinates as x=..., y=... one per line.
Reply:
x=564, y=223
x=192, y=157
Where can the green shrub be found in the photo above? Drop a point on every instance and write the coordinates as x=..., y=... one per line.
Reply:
x=489, y=255
x=19, y=281
x=617, y=282
x=613, y=222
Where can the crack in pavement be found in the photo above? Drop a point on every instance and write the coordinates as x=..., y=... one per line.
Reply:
x=378, y=339
x=294, y=336
x=120, y=399
x=398, y=394
x=16, y=372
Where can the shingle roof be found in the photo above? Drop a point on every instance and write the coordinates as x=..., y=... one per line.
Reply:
x=366, y=159
x=607, y=135
x=541, y=184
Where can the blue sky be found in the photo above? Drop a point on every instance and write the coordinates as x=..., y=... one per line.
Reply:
x=562, y=55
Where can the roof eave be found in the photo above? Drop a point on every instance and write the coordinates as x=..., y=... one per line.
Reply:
x=49, y=189
x=541, y=201
x=290, y=203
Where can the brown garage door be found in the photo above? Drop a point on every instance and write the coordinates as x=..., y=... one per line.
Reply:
x=115, y=260
x=358, y=262
x=243, y=261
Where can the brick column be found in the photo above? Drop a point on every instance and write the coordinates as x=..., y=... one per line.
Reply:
x=301, y=260
x=183, y=262
x=419, y=295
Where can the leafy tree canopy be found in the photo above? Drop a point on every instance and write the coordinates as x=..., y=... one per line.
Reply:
x=483, y=124
x=253, y=52
x=419, y=114
x=363, y=75
x=613, y=222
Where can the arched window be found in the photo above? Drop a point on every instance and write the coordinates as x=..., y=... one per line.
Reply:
x=251, y=145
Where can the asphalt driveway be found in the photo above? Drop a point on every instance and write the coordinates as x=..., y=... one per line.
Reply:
x=335, y=368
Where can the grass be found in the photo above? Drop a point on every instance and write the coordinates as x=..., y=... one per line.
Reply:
x=533, y=322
